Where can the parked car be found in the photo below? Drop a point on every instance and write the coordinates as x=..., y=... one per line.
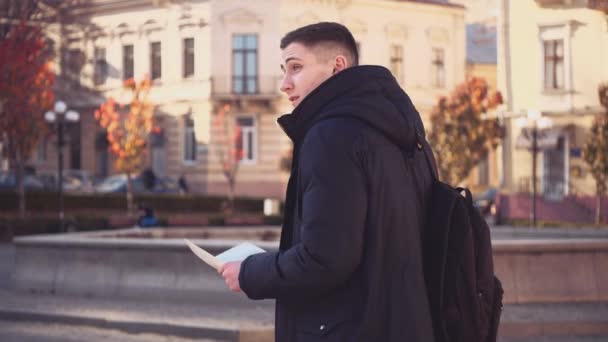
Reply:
x=115, y=183
x=78, y=181
x=118, y=183
x=168, y=185
x=8, y=181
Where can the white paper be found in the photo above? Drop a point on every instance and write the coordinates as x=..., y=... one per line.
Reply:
x=204, y=255
x=239, y=252
x=236, y=253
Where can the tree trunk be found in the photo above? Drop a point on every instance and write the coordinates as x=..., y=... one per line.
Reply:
x=130, y=208
x=598, y=209
x=231, y=197
x=20, y=187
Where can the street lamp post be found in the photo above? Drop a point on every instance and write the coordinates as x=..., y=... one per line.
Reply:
x=59, y=116
x=534, y=156
x=534, y=121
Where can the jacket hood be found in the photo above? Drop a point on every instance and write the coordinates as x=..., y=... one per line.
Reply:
x=368, y=93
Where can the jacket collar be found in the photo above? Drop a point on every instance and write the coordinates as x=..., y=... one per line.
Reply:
x=310, y=110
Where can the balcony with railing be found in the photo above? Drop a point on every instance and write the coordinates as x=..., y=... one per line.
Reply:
x=228, y=87
x=600, y=5
x=555, y=2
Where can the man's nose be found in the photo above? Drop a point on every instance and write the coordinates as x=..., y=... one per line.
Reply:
x=286, y=84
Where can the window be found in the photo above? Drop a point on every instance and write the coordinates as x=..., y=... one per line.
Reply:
x=71, y=64
x=127, y=62
x=396, y=61
x=155, y=61
x=101, y=66
x=157, y=144
x=248, y=135
x=438, y=68
x=73, y=133
x=189, y=141
x=554, y=63
x=102, y=159
x=188, y=52
x=554, y=170
x=245, y=64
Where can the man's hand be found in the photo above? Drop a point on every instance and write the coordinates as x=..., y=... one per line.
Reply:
x=230, y=271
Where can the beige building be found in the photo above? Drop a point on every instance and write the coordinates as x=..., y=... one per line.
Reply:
x=478, y=11
x=203, y=55
x=552, y=57
x=481, y=62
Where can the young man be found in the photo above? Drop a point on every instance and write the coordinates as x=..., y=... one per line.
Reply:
x=349, y=266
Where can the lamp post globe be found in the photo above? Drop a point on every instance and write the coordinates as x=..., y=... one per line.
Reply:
x=60, y=107
x=50, y=116
x=72, y=116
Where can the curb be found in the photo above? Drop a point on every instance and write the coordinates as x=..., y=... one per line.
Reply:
x=178, y=330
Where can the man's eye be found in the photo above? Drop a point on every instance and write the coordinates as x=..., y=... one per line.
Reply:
x=296, y=67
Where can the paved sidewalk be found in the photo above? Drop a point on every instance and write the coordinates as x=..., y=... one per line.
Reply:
x=576, y=322
x=7, y=263
x=26, y=331
x=546, y=322
x=176, y=318
x=225, y=318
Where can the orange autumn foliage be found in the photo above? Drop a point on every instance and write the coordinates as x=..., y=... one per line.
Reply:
x=128, y=127
x=26, y=81
x=461, y=137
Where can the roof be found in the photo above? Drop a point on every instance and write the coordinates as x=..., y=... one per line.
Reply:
x=481, y=43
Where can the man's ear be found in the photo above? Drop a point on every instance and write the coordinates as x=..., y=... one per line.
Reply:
x=340, y=63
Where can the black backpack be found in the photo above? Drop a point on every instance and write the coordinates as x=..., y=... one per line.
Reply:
x=465, y=296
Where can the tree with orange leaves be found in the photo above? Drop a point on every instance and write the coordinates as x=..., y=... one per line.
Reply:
x=128, y=128
x=595, y=151
x=26, y=81
x=229, y=147
x=459, y=135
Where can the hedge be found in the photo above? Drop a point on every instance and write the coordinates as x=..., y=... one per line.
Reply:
x=11, y=227
x=48, y=201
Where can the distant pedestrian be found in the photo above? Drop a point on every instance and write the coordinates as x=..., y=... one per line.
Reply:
x=147, y=219
x=183, y=185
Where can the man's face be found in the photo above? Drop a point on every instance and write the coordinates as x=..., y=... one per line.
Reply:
x=303, y=71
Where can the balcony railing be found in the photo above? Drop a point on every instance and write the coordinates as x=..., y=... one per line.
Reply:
x=550, y=188
x=223, y=87
x=600, y=5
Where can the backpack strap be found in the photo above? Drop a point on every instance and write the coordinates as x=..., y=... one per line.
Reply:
x=423, y=145
x=468, y=197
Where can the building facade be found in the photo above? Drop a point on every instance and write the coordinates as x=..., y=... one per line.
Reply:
x=478, y=11
x=551, y=64
x=480, y=19
x=204, y=55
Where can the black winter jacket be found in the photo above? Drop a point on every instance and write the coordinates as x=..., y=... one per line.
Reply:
x=349, y=266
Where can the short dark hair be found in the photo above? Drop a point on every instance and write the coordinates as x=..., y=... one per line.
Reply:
x=324, y=32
